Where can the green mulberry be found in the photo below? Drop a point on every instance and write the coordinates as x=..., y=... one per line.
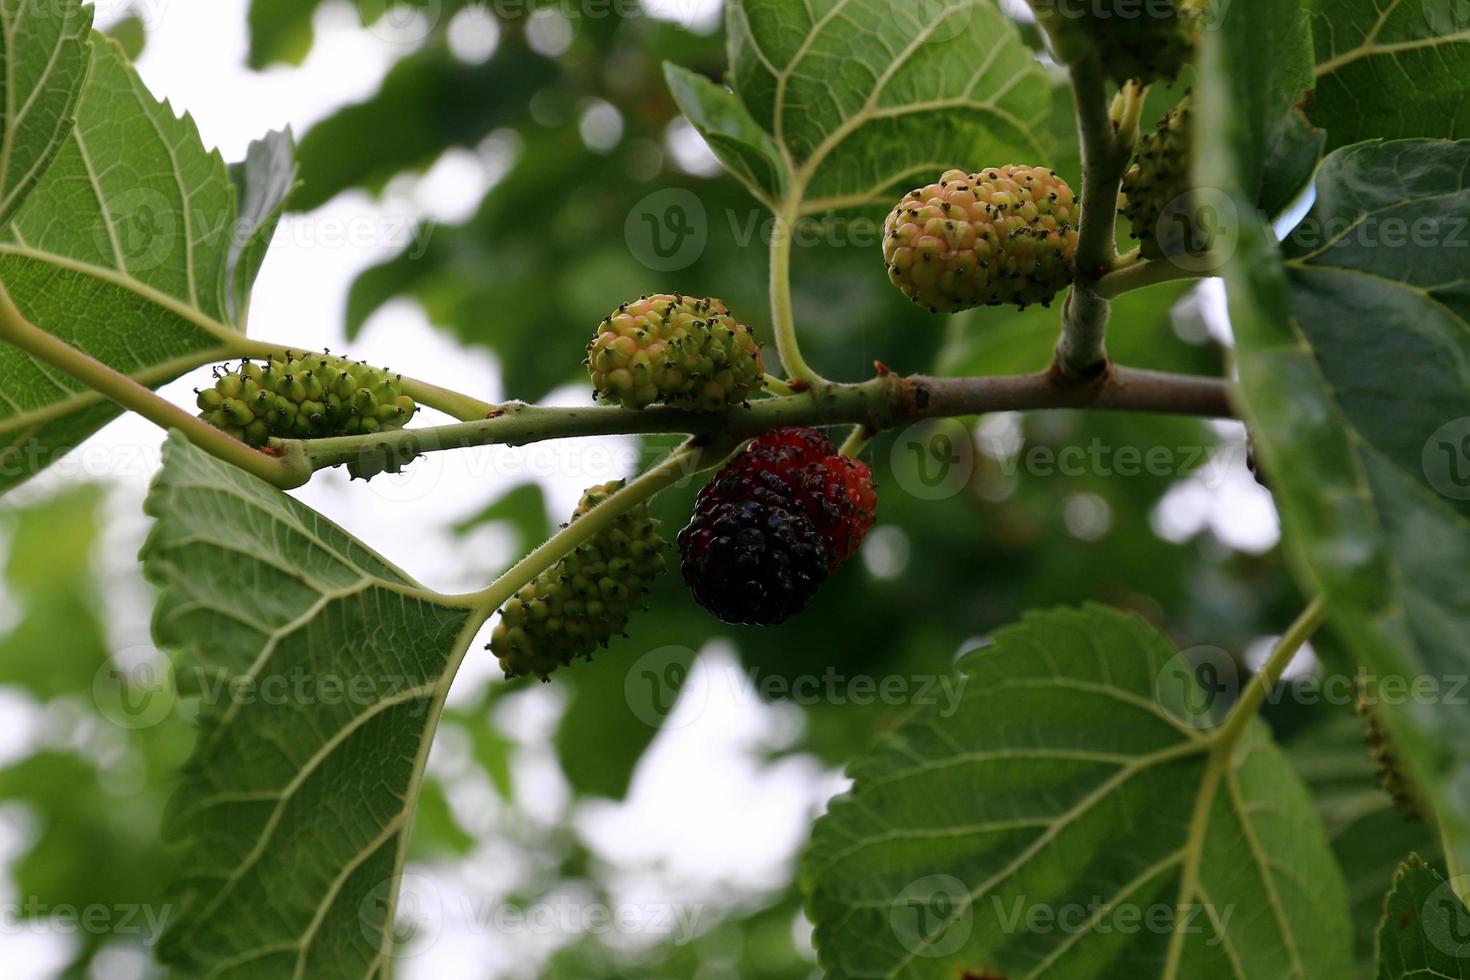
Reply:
x=1006, y=235
x=304, y=396
x=1156, y=187
x=1392, y=776
x=685, y=352
x=1150, y=44
x=584, y=600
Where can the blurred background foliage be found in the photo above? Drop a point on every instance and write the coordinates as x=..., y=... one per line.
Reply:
x=570, y=113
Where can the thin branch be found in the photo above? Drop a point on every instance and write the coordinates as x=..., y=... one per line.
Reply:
x=1141, y=274
x=885, y=402
x=682, y=463
x=1107, y=142
x=1269, y=675
x=289, y=469
x=857, y=440
x=783, y=315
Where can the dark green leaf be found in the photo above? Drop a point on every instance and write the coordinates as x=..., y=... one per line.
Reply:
x=1393, y=69
x=1426, y=928
x=321, y=672
x=1013, y=832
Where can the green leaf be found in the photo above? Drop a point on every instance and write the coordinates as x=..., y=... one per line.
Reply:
x=867, y=98
x=1424, y=927
x=124, y=250
x=419, y=112
x=281, y=31
x=44, y=48
x=744, y=148
x=1368, y=479
x=1060, y=790
x=1293, y=154
x=1368, y=833
x=1365, y=303
x=263, y=180
x=1266, y=59
x=48, y=572
x=1393, y=69
x=298, y=802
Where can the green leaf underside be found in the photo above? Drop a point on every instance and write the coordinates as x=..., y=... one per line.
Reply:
x=43, y=53
x=294, y=811
x=1060, y=783
x=866, y=99
x=1392, y=69
x=124, y=251
x=1331, y=343
x=263, y=181
x=1369, y=834
x=745, y=149
x=1425, y=930
x=1270, y=53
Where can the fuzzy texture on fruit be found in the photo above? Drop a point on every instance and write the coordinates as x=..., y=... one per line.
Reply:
x=1156, y=187
x=775, y=522
x=1006, y=235
x=585, y=599
x=304, y=396
x=686, y=352
x=1392, y=776
x=1148, y=45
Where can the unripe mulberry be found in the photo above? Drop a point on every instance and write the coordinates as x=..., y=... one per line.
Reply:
x=585, y=599
x=686, y=352
x=771, y=527
x=1392, y=776
x=304, y=396
x=1147, y=45
x=1005, y=235
x=1157, y=185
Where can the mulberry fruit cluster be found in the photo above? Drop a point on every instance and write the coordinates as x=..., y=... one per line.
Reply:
x=306, y=396
x=1006, y=235
x=1156, y=187
x=585, y=599
x=1147, y=45
x=773, y=525
x=686, y=352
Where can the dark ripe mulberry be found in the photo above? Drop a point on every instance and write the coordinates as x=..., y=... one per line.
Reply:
x=773, y=524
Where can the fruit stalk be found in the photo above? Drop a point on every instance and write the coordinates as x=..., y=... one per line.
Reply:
x=682, y=463
x=783, y=315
